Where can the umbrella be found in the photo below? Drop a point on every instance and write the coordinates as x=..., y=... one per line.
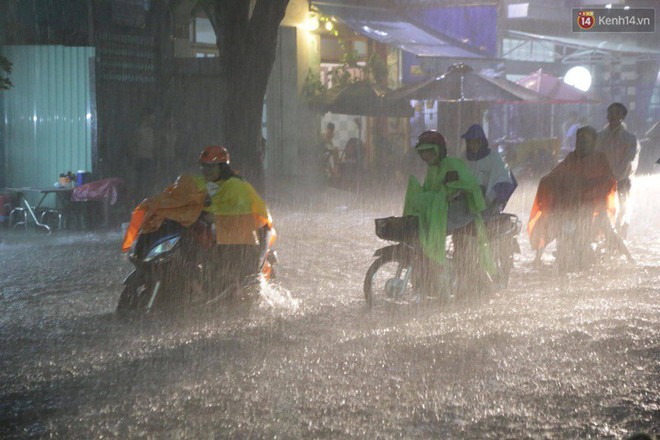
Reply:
x=365, y=99
x=462, y=84
x=470, y=91
x=553, y=88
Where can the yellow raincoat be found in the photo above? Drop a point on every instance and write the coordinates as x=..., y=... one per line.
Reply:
x=237, y=208
x=430, y=203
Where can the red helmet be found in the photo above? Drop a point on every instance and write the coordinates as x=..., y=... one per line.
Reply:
x=431, y=137
x=214, y=154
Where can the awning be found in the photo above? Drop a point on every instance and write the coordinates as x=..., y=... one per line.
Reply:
x=462, y=84
x=394, y=29
x=600, y=46
x=363, y=98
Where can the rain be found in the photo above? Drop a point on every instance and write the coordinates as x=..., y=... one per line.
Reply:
x=551, y=353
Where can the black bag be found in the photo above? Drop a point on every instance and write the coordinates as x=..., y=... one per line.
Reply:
x=397, y=228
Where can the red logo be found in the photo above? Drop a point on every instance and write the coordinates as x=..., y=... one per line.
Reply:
x=586, y=20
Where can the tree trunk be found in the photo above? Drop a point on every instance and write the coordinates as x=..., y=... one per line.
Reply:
x=247, y=40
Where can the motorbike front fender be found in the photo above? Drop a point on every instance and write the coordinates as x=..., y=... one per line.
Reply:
x=136, y=275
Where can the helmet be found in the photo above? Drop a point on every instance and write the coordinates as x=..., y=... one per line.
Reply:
x=214, y=154
x=432, y=137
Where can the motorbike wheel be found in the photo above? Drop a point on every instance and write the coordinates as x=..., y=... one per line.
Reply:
x=503, y=254
x=573, y=254
x=133, y=295
x=388, y=279
x=139, y=296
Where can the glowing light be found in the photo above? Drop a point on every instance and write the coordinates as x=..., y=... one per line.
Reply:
x=329, y=26
x=312, y=23
x=608, y=6
x=578, y=77
x=88, y=116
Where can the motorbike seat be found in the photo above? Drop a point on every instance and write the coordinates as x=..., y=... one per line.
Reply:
x=502, y=224
x=495, y=225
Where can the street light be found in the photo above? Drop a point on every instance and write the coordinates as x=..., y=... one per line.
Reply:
x=312, y=23
x=578, y=77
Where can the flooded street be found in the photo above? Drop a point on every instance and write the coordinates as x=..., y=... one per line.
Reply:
x=553, y=356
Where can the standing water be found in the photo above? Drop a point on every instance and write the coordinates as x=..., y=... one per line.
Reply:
x=553, y=356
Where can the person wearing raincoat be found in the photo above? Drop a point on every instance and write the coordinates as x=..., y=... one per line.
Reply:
x=582, y=184
x=449, y=199
x=496, y=181
x=235, y=214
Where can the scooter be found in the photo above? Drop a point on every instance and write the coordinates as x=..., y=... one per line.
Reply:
x=394, y=276
x=584, y=237
x=169, y=272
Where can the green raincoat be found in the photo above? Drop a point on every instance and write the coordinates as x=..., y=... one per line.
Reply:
x=429, y=203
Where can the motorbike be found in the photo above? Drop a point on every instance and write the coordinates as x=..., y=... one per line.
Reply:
x=171, y=271
x=394, y=276
x=584, y=237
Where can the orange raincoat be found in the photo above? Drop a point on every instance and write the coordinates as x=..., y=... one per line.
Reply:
x=237, y=208
x=575, y=183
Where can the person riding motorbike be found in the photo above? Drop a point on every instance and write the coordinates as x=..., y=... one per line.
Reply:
x=229, y=219
x=581, y=190
x=494, y=178
x=450, y=199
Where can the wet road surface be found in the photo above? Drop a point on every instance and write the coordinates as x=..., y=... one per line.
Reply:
x=553, y=356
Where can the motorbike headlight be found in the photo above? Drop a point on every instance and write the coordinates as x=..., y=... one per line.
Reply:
x=161, y=248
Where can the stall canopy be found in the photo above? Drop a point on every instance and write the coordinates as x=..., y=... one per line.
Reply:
x=395, y=28
x=463, y=96
x=553, y=89
x=365, y=99
x=591, y=51
x=462, y=84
